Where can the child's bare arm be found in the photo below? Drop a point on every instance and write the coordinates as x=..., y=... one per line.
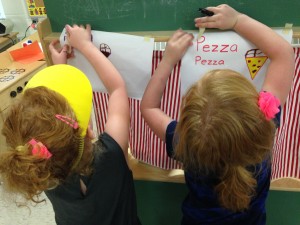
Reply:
x=281, y=68
x=150, y=106
x=117, y=124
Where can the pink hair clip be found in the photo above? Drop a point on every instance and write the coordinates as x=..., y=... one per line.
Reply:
x=67, y=120
x=38, y=148
x=268, y=104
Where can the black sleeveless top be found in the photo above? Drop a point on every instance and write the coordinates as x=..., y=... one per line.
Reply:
x=110, y=197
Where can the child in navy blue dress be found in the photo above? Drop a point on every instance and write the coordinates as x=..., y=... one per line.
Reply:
x=225, y=132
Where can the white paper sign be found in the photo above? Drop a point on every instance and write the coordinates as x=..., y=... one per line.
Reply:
x=225, y=50
x=131, y=55
x=2, y=14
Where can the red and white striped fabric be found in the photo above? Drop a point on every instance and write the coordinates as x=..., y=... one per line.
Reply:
x=100, y=102
x=286, y=151
x=148, y=148
x=144, y=144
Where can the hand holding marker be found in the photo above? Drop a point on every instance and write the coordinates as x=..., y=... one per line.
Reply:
x=204, y=12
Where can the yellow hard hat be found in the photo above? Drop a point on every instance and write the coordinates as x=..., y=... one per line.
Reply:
x=71, y=83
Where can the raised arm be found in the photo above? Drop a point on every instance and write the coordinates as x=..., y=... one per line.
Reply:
x=281, y=68
x=150, y=105
x=117, y=125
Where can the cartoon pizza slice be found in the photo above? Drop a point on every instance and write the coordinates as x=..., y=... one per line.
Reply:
x=255, y=59
x=105, y=49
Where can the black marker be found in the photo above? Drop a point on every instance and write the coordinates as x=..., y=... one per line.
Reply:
x=206, y=12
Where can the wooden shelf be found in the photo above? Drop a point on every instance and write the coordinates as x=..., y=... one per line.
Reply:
x=143, y=171
x=285, y=184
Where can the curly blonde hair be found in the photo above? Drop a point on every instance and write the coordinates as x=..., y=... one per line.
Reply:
x=33, y=116
x=222, y=131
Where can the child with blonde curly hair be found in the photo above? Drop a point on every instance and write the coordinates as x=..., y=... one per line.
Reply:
x=225, y=131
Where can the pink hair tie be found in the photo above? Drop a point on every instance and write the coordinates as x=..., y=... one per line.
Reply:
x=39, y=149
x=268, y=104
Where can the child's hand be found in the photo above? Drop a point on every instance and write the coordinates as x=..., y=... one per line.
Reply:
x=224, y=18
x=78, y=36
x=59, y=55
x=177, y=46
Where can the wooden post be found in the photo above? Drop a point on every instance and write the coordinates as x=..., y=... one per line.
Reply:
x=44, y=30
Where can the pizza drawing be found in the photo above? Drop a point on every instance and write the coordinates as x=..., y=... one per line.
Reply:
x=255, y=59
x=105, y=49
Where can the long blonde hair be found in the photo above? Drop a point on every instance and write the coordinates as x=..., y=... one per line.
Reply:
x=222, y=131
x=33, y=116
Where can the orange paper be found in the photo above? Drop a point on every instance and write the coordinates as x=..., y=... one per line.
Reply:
x=28, y=54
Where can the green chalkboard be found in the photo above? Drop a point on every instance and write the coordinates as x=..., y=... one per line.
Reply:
x=158, y=15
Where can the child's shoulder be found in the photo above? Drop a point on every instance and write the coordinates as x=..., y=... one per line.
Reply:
x=106, y=146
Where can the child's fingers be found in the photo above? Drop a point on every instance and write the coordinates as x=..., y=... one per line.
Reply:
x=206, y=19
x=185, y=37
x=52, y=46
x=70, y=53
x=54, y=42
x=88, y=28
x=177, y=34
x=181, y=37
x=209, y=25
x=65, y=49
x=188, y=38
x=185, y=41
x=213, y=9
x=208, y=22
x=68, y=29
x=199, y=21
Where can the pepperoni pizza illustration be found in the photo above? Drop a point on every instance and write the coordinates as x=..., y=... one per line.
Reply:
x=105, y=49
x=255, y=59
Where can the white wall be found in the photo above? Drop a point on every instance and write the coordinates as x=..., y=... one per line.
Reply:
x=16, y=11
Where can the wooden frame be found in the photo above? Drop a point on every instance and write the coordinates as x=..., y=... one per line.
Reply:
x=142, y=171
